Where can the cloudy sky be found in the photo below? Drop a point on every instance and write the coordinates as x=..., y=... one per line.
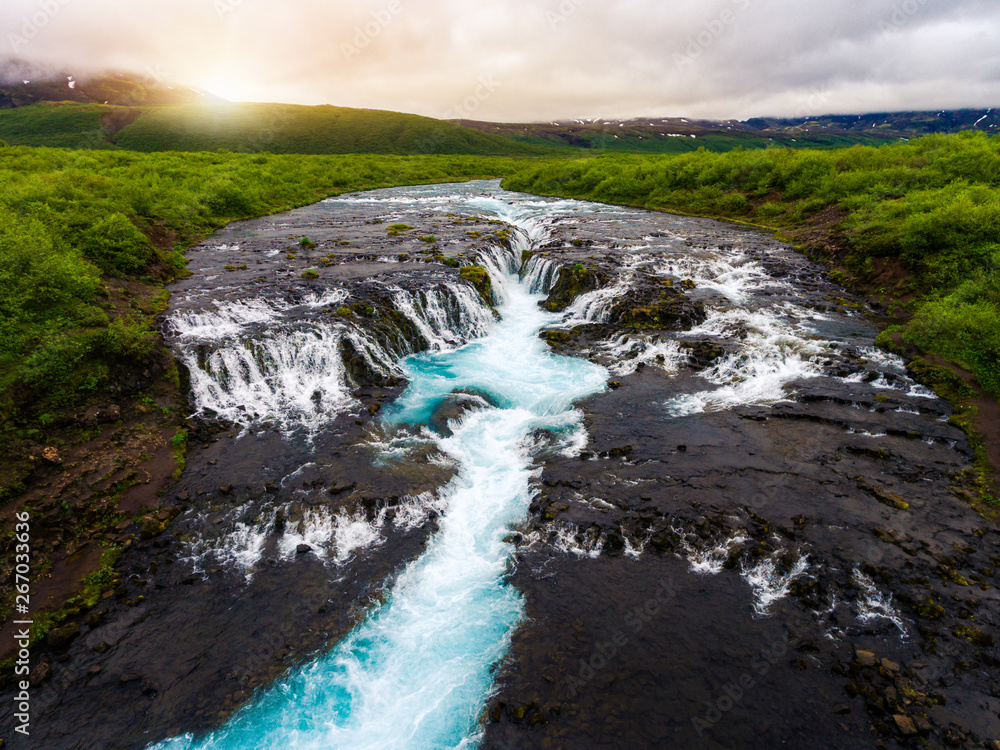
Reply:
x=529, y=60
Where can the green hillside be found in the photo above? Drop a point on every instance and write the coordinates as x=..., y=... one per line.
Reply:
x=249, y=128
x=677, y=136
x=59, y=125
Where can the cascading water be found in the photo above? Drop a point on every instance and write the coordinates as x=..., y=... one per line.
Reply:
x=417, y=672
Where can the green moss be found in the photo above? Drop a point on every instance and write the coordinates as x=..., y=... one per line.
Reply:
x=311, y=273
x=92, y=587
x=363, y=309
x=307, y=243
x=480, y=279
x=944, y=382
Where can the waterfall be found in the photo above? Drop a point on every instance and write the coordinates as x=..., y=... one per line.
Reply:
x=418, y=671
x=258, y=360
x=296, y=378
x=447, y=315
x=540, y=274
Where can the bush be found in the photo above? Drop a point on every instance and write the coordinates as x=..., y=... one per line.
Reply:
x=116, y=246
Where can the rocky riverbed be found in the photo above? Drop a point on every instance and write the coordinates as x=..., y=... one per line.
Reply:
x=765, y=538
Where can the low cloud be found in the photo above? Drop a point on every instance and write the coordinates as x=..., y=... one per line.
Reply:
x=549, y=59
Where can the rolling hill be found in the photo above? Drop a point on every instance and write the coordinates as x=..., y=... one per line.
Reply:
x=672, y=135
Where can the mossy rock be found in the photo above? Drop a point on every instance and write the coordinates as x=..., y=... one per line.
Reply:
x=152, y=527
x=312, y=273
x=651, y=304
x=974, y=634
x=480, y=279
x=572, y=282
x=944, y=382
x=363, y=309
x=557, y=337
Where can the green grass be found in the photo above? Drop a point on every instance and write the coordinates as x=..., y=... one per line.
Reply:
x=77, y=225
x=930, y=208
x=249, y=128
x=62, y=124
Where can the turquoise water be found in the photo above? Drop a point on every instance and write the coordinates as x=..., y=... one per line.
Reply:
x=417, y=672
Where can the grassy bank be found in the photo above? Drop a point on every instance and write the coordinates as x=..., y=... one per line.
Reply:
x=86, y=236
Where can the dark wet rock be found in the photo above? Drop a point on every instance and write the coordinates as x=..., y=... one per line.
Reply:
x=60, y=638
x=454, y=407
x=338, y=486
x=905, y=725
x=703, y=354
x=652, y=302
x=303, y=549
x=40, y=674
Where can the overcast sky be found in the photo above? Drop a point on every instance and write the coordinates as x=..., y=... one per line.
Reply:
x=528, y=60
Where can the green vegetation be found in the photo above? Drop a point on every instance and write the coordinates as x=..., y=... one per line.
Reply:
x=274, y=128
x=88, y=238
x=480, y=279
x=918, y=222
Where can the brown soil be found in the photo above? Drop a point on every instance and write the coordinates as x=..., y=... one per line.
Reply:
x=118, y=120
x=97, y=470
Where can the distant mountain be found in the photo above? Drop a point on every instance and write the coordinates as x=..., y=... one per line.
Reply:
x=678, y=134
x=23, y=84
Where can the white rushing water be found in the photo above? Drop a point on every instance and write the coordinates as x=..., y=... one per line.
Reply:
x=417, y=672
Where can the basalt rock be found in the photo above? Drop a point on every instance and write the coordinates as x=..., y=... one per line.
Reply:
x=650, y=303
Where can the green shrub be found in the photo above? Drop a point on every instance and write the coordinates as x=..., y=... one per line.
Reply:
x=116, y=246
